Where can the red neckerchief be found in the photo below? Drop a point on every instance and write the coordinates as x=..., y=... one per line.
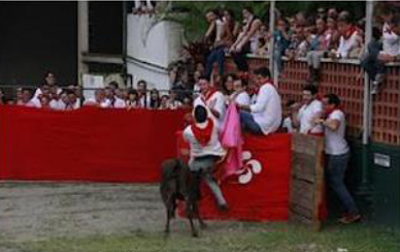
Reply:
x=349, y=32
x=203, y=136
x=266, y=81
x=210, y=93
x=328, y=112
x=388, y=30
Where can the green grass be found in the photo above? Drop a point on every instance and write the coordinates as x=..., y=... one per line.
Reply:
x=276, y=237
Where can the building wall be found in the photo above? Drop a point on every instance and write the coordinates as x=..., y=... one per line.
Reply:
x=36, y=37
x=152, y=46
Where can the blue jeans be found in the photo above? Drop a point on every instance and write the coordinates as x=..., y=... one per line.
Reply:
x=240, y=58
x=216, y=55
x=336, y=166
x=248, y=123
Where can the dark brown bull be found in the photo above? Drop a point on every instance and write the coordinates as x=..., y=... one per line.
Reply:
x=179, y=184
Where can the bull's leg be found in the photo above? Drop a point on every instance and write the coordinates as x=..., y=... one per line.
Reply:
x=189, y=214
x=167, y=224
x=194, y=231
x=203, y=225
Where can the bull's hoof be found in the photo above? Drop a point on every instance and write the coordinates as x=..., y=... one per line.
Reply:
x=195, y=234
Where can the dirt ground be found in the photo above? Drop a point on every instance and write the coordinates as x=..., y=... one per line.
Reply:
x=82, y=217
x=34, y=211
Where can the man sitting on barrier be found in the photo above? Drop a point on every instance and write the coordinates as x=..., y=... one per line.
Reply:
x=205, y=150
x=265, y=115
x=212, y=99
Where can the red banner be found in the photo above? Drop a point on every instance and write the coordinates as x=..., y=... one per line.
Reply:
x=89, y=144
x=261, y=191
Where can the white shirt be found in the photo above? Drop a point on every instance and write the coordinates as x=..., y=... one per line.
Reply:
x=243, y=98
x=390, y=41
x=267, y=111
x=119, y=103
x=287, y=124
x=307, y=114
x=174, y=104
x=335, y=143
x=213, y=147
x=105, y=104
x=57, y=105
x=219, y=106
x=39, y=92
x=346, y=45
x=219, y=24
x=35, y=102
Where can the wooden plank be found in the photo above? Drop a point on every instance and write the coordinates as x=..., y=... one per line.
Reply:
x=307, y=180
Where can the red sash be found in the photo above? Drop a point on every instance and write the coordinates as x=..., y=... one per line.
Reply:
x=349, y=32
x=203, y=136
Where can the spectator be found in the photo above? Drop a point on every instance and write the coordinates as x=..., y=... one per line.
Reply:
x=26, y=99
x=72, y=102
x=227, y=87
x=311, y=109
x=155, y=100
x=233, y=26
x=282, y=42
x=332, y=32
x=249, y=35
x=196, y=88
x=301, y=19
x=49, y=80
x=144, y=99
x=172, y=101
x=320, y=48
x=187, y=103
x=337, y=156
x=119, y=100
x=391, y=40
x=333, y=13
x=220, y=38
x=240, y=95
x=298, y=44
x=287, y=124
x=99, y=99
x=265, y=116
x=43, y=90
x=349, y=46
x=109, y=95
x=164, y=102
x=133, y=99
x=44, y=101
x=212, y=99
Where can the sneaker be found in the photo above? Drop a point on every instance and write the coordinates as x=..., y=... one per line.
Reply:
x=350, y=218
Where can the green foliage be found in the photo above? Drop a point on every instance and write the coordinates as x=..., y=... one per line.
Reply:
x=191, y=14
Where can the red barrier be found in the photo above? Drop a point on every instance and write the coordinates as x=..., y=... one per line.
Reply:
x=261, y=191
x=90, y=144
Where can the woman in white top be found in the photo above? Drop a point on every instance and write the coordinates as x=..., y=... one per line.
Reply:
x=337, y=156
x=240, y=96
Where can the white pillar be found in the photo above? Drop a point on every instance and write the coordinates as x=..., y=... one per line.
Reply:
x=367, y=113
x=83, y=37
x=271, y=42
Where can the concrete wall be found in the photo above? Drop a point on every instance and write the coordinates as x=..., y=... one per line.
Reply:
x=151, y=47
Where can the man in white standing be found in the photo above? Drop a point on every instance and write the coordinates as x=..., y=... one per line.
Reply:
x=212, y=99
x=337, y=156
x=265, y=115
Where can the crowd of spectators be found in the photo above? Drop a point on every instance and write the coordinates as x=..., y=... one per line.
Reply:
x=311, y=36
x=51, y=96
